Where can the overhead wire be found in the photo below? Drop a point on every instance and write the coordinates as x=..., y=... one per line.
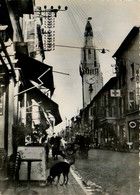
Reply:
x=73, y=21
x=83, y=16
x=68, y=19
x=106, y=7
x=98, y=35
x=78, y=11
x=75, y=9
x=67, y=22
x=78, y=47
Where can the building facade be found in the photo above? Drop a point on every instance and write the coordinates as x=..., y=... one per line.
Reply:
x=10, y=76
x=113, y=114
x=128, y=70
x=25, y=82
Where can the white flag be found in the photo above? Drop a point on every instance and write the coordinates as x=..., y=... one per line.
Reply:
x=115, y=93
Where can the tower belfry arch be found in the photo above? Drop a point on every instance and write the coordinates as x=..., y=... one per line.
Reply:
x=92, y=79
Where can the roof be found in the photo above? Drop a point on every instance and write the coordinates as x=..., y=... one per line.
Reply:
x=106, y=87
x=88, y=29
x=22, y=6
x=132, y=34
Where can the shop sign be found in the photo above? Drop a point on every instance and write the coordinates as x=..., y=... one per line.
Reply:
x=132, y=124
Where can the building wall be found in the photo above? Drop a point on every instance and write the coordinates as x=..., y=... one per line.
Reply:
x=116, y=119
x=10, y=103
x=131, y=58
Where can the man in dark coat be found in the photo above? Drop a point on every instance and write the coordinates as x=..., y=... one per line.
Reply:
x=84, y=143
x=55, y=142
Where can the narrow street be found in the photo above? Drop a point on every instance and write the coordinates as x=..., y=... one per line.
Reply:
x=115, y=172
x=60, y=93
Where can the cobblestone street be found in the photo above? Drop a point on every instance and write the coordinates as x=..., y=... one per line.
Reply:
x=116, y=173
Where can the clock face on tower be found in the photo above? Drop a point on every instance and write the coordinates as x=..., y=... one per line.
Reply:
x=90, y=79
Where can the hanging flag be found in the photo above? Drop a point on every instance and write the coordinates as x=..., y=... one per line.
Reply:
x=115, y=93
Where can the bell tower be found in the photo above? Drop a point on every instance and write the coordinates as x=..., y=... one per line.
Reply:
x=92, y=80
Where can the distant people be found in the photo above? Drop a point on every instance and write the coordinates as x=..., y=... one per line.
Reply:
x=77, y=138
x=63, y=144
x=28, y=141
x=35, y=138
x=96, y=142
x=84, y=143
x=55, y=142
x=35, y=135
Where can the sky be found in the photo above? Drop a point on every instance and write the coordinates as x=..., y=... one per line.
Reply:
x=111, y=21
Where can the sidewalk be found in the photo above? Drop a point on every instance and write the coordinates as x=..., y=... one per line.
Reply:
x=74, y=186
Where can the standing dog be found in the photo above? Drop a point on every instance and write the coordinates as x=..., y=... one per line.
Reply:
x=58, y=169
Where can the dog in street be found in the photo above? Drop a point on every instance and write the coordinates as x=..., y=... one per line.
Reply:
x=58, y=169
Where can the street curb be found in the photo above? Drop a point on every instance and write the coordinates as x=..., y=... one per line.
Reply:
x=88, y=186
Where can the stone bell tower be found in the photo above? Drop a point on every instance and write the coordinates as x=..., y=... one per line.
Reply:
x=92, y=80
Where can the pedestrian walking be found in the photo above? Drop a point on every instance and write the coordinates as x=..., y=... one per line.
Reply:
x=84, y=143
x=55, y=142
x=77, y=138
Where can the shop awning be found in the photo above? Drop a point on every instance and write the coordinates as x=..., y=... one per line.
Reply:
x=5, y=20
x=37, y=71
x=20, y=7
x=46, y=103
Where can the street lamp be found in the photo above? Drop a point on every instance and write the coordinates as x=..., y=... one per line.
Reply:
x=103, y=51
